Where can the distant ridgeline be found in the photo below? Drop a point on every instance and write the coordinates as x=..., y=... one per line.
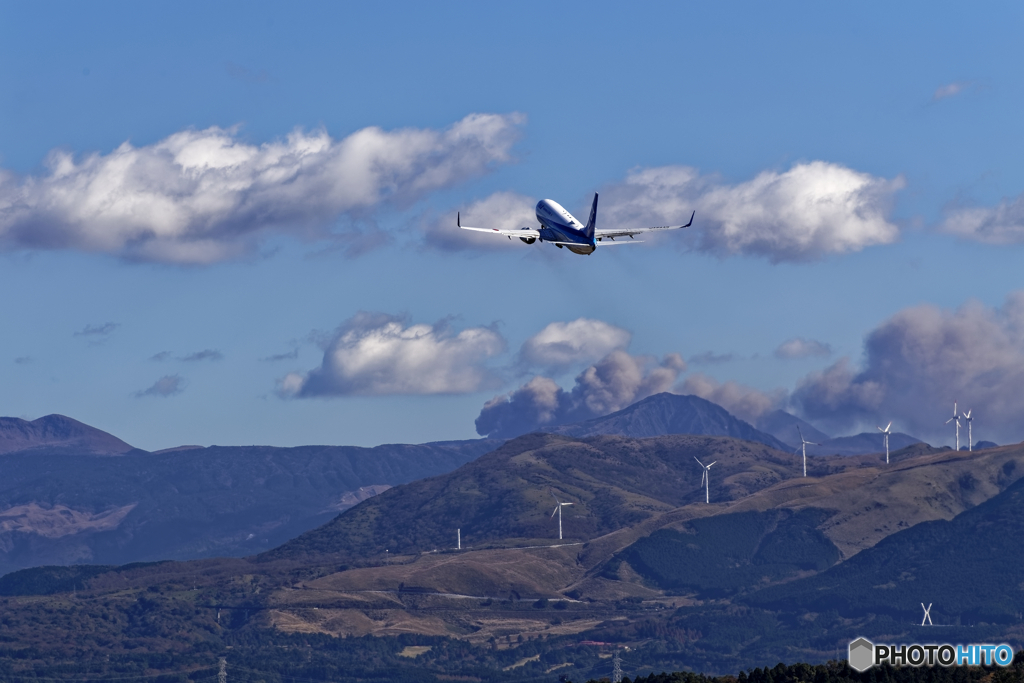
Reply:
x=73, y=493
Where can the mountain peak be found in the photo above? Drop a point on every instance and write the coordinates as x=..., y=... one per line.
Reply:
x=57, y=434
x=671, y=414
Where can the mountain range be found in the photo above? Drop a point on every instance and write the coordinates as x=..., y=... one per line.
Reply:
x=73, y=493
x=771, y=570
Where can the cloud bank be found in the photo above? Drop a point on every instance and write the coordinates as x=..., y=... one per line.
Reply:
x=202, y=196
x=810, y=211
x=375, y=354
x=742, y=401
x=614, y=382
x=921, y=360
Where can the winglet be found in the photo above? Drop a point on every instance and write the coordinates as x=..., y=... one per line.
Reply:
x=458, y=218
x=691, y=220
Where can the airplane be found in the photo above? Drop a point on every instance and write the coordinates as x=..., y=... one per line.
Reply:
x=560, y=228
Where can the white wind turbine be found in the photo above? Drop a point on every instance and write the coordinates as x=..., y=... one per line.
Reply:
x=970, y=438
x=804, y=443
x=886, y=433
x=705, y=479
x=558, y=509
x=955, y=419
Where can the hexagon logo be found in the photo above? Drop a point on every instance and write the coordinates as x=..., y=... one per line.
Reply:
x=862, y=654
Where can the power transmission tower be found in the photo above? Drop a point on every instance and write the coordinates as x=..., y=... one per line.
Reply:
x=222, y=675
x=616, y=668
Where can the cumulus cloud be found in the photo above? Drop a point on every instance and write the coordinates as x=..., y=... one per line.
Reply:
x=378, y=354
x=563, y=345
x=205, y=354
x=921, y=360
x=742, y=401
x=798, y=347
x=1000, y=224
x=809, y=211
x=501, y=210
x=202, y=196
x=613, y=383
x=168, y=385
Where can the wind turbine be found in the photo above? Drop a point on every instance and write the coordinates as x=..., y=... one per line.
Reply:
x=558, y=509
x=804, y=443
x=955, y=419
x=927, y=614
x=970, y=439
x=886, y=433
x=705, y=479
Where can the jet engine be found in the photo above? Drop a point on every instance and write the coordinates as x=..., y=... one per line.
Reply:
x=528, y=240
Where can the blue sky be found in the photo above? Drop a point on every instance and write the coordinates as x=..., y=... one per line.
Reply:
x=902, y=120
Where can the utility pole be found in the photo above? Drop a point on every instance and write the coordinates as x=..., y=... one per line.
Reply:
x=222, y=675
x=616, y=668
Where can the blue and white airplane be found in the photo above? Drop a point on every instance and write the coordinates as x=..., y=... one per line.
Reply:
x=560, y=228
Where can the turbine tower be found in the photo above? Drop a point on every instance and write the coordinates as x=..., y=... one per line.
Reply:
x=970, y=438
x=886, y=433
x=558, y=509
x=705, y=479
x=956, y=420
x=804, y=443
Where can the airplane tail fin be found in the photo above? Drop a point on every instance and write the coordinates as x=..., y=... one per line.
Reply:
x=592, y=223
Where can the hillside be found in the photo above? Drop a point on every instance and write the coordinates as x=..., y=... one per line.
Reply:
x=645, y=563
x=865, y=442
x=199, y=502
x=971, y=567
x=613, y=482
x=666, y=413
x=56, y=435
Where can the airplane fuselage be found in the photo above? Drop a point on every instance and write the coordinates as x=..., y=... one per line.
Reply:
x=558, y=225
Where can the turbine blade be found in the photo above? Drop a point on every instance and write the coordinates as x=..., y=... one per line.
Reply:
x=887, y=426
x=709, y=466
x=698, y=461
x=554, y=511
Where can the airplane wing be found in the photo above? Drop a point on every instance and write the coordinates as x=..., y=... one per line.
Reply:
x=522, y=232
x=612, y=234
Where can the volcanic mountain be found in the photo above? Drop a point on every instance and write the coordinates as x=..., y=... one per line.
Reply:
x=670, y=414
x=56, y=434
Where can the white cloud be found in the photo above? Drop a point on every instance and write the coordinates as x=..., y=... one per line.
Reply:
x=378, y=354
x=198, y=197
x=921, y=360
x=805, y=213
x=811, y=210
x=501, y=210
x=798, y=347
x=561, y=345
x=613, y=383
